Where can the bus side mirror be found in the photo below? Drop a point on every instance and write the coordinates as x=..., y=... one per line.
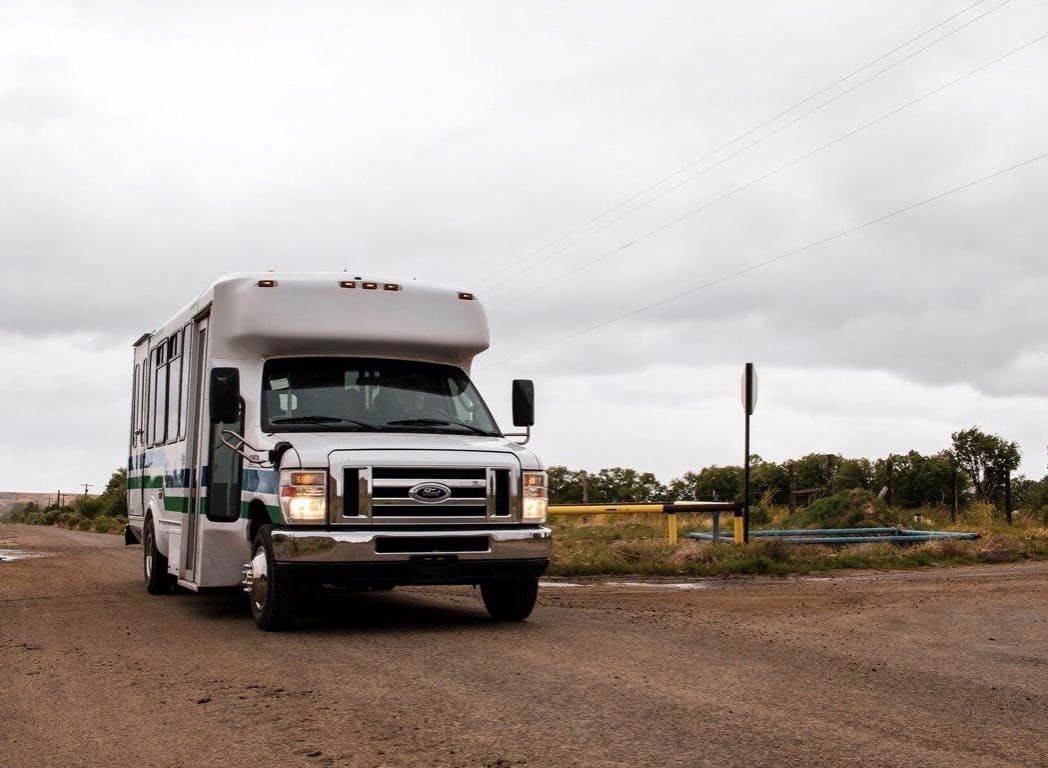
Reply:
x=523, y=403
x=224, y=395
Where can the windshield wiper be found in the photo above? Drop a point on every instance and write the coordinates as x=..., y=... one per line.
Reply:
x=322, y=420
x=438, y=423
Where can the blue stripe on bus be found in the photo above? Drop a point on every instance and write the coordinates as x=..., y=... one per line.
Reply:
x=255, y=480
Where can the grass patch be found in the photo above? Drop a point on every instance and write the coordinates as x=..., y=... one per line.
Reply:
x=602, y=545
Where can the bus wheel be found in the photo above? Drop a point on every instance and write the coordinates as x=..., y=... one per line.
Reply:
x=154, y=564
x=272, y=599
x=510, y=600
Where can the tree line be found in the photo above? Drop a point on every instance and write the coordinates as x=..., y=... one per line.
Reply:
x=104, y=513
x=976, y=467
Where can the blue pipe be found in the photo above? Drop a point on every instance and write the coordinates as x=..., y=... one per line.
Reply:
x=865, y=539
x=815, y=537
x=943, y=534
x=826, y=531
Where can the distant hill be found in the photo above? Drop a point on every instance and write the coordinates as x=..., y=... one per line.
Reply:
x=9, y=498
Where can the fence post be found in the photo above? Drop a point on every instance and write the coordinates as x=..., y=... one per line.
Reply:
x=792, y=502
x=671, y=523
x=956, y=496
x=1008, y=497
x=891, y=466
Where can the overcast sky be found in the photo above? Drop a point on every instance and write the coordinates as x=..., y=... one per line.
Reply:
x=146, y=148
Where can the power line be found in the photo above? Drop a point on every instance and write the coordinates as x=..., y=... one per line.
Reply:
x=747, y=147
x=741, y=136
x=775, y=259
x=768, y=174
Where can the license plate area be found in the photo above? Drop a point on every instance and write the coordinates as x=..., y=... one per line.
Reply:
x=434, y=569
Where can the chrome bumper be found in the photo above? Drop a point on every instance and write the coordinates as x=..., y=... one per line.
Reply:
x=361, y=546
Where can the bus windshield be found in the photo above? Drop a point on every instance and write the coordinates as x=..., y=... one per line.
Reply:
x=308, y=394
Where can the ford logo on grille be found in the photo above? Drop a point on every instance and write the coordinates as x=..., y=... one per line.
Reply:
x=430, y=493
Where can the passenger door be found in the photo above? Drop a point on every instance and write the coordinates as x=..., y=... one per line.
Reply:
x=196, y=449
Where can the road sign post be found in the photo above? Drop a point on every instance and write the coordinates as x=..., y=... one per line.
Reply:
x=749, y=403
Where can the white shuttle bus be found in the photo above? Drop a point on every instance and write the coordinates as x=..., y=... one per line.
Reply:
x=295, y=431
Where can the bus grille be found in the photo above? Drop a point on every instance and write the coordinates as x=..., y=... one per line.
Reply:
x=473, y=492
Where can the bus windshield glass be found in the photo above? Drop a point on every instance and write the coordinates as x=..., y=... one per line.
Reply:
x=309, y=394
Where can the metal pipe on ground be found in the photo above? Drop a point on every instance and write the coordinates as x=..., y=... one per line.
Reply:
x=825, y=531
x=818, y=537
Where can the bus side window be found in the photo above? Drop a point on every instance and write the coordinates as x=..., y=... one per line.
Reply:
x=135, y=413
x=174, y=385
x=159, y=399
x=187, y=354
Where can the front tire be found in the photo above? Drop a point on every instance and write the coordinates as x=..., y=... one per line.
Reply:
x=154, y=564
x=272, y=598
x=510, y=600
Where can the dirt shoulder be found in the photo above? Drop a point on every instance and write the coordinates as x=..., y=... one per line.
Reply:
x=943, y=667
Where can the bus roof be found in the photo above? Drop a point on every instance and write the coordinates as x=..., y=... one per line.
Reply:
x=275, y=314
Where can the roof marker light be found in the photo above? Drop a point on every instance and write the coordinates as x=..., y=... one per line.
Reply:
x=267, y=283
x=391, y=287
x=467, y=296
x=369, y=286
x=348, y=284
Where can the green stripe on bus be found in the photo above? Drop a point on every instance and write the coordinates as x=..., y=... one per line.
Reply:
x=176, y=504
x=145, y=481
x=273, y=511
x=180, y=504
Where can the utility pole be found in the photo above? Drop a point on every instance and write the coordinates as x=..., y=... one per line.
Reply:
x=86, y=486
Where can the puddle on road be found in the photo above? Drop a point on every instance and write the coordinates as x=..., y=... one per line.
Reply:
x=19, y=554
x=682, y=586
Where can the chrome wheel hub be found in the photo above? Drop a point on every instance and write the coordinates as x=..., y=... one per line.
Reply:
x=256, y=579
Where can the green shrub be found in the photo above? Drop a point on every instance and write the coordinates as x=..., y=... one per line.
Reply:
x=856, y=508
x=760, y=514
x=108, y=524
x=89, y=507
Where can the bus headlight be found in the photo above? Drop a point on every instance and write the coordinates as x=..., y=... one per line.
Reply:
x=303, y=495
x=535, y=500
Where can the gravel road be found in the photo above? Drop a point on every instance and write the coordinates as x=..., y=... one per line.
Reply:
x=947, y=667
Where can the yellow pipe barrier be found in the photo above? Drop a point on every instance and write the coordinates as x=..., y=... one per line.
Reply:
x=602, y=509
x=668, y=508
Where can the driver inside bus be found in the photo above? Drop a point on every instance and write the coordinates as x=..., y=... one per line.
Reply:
x=410, y=398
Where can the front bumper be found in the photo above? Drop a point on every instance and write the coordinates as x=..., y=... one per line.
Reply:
x=388, y=546
x=384, y=557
